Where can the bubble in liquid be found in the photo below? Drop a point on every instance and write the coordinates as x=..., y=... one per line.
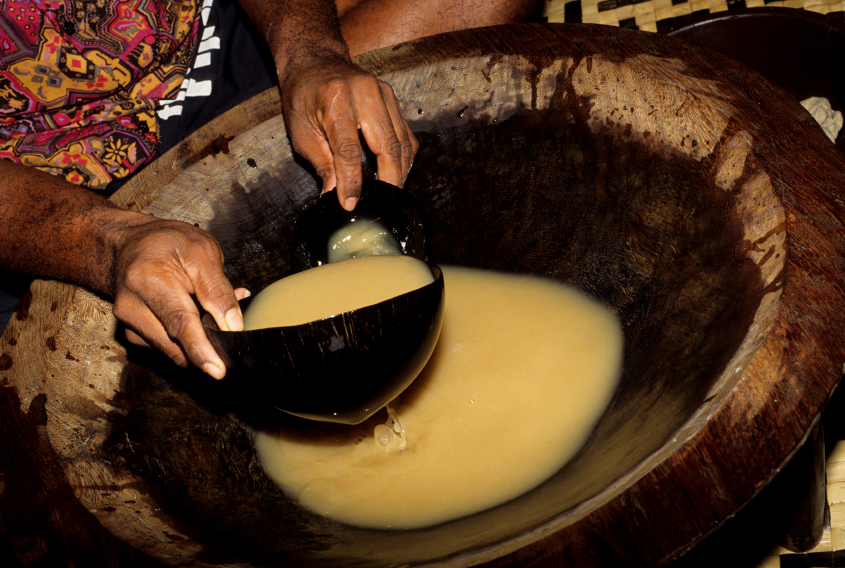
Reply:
x=383, y=435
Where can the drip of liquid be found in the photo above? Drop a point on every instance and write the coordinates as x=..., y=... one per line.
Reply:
x=390, y=436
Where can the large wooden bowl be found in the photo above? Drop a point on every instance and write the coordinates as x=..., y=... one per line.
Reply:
x=696, y=199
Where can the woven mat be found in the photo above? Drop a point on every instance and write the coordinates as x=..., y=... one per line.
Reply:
x=655, y=15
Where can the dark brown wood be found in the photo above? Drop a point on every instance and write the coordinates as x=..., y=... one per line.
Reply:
x=800, y=51
x=697, y=199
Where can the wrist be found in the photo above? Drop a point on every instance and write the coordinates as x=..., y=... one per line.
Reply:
x=295, y=60
x=54, y=229
x=113, y=232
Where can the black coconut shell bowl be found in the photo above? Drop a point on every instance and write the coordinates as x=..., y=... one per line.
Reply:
x=342, y=368
x=696, y=199
x=396, y=210
x=346, y=367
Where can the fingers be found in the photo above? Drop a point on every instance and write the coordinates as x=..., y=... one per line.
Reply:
x=159, y=272
x=393, y=142
x=340, y=125
x=177, y=333
x=373, y=108
x=309, y=141
x=136, y=339
x=216, y=296
x=324, y=125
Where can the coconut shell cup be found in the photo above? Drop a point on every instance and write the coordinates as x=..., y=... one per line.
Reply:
x=396, y=210
x=342, y=368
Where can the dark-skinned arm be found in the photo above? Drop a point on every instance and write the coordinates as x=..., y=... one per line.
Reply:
x=150, y=266
x=326, y=99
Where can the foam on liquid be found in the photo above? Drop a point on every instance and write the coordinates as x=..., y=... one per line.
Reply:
x=522, y=371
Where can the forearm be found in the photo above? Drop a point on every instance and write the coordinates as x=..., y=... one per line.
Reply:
x=54, y=229
x=296, y=30
x=327, y=101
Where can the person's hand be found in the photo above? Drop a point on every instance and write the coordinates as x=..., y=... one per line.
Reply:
x=158, y=266
x=326, y=100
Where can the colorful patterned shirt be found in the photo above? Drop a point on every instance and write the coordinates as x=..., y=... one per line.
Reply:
x=80, y=81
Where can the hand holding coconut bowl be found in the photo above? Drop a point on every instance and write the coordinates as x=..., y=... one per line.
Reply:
x=633, y=168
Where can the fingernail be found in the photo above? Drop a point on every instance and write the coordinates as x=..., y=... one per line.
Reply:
x=234, y=320
x=350, y=203
x=247, y=293
x=215, y=371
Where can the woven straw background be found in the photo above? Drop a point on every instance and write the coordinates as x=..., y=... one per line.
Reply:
x=653, y=15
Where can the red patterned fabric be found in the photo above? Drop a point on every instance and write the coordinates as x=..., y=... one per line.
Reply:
x=80, y=81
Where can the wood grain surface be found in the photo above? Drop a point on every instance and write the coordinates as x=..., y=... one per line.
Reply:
x=689, y=194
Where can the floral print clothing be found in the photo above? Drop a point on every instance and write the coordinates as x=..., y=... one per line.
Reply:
x=80, y=81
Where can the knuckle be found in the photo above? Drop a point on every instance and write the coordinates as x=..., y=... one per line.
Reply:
x=208, y=246
x=135, y=277
x=323, y=170
x=218, y=291
x=349, y=152
x=369, y=81
x=311, y=151
x=187, y=235
x=177, y=322
x=177, y=357
x=394, y=146
x=333, y=88
x=408, y=148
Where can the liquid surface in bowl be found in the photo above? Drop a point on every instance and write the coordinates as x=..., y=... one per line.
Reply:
x=522, y=371
x=335, y=288
x=362, y=238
